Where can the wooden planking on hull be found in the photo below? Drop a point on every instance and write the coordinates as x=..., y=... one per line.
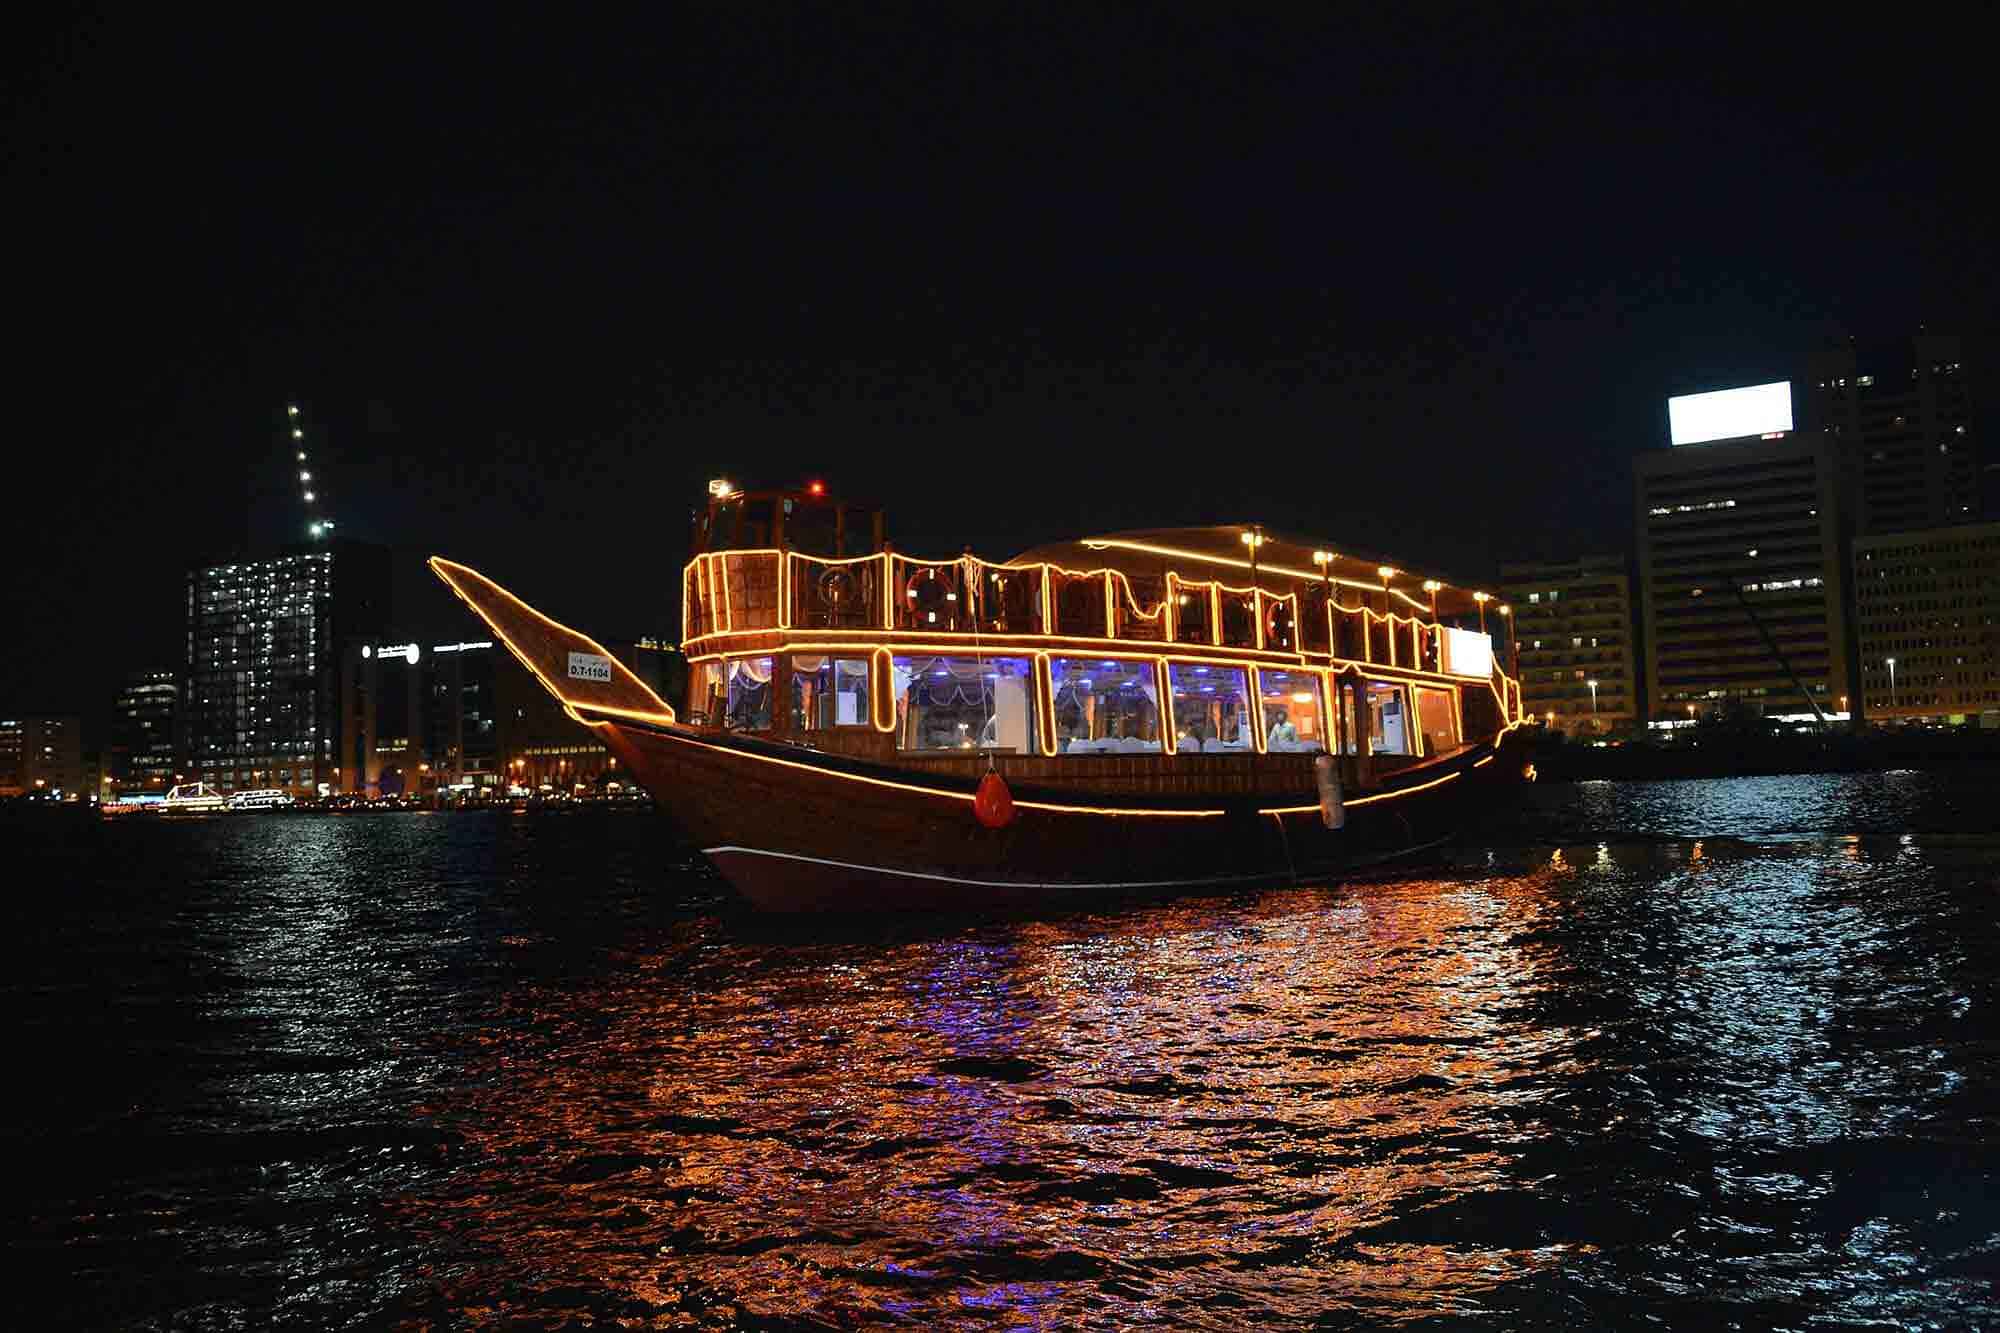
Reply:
x=794, y=835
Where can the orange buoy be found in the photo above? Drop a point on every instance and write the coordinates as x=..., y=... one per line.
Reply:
x=993, y=804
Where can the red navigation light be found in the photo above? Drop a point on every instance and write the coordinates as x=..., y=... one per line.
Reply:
x=817, y=488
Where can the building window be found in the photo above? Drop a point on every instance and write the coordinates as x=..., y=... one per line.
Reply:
x=1105, y=707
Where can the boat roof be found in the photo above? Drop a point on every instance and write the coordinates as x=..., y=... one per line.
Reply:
x=1284, y=560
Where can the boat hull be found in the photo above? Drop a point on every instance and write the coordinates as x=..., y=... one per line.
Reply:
x=794, y=830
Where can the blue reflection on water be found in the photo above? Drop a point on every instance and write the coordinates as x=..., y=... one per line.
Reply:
x=1695, y=1053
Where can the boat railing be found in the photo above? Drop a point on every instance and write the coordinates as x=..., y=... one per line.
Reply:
x=736, y=591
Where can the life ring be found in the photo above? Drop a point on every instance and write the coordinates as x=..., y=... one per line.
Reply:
x=1278, y=625
x=835, y=589
x=929, y=593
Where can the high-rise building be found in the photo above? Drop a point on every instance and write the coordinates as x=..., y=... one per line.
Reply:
x=1573, y=628
x=1928, y=605
x=463, y=725
x=1899, y=418
x=144, y=732
x=1740, y=561
x=42, y=755
x=261, y=695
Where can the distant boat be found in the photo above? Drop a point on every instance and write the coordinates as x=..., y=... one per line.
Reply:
x=274, y=798
x=194, y=798
x=1137, y=712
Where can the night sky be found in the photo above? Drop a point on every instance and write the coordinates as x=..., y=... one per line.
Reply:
x=1418, y=281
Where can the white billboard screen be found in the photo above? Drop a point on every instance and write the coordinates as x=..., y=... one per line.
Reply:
x=1467, y=652
x=1730, y=414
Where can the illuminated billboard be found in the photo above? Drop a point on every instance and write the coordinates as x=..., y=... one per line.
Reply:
x=1731, y=414
x=1467, y=652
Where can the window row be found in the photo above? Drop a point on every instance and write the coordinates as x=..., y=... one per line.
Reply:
x=1098, y=706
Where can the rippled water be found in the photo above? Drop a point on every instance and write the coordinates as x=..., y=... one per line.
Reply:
x=1703, y=1054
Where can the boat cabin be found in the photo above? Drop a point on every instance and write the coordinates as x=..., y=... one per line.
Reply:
x=801, y=624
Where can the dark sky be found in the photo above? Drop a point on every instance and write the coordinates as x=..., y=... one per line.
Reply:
x=1417, y=281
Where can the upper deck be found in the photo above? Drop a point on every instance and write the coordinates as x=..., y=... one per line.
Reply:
x=1232, y=592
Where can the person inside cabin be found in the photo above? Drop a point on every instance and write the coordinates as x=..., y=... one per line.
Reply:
x=1283, y=735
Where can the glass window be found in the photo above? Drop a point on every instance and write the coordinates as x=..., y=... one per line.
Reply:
x=965, y=703
x=829, y=692
x=1291, y=710
x=1388, y=717
x=1105, y=707
x=749, y=707
x=1439, y=717
x=1211, y=707
x=705, y=698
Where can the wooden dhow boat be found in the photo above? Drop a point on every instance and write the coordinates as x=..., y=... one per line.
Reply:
x=1134, y=713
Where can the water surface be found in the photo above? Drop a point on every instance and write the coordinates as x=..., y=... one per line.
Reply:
x=1705, y=1054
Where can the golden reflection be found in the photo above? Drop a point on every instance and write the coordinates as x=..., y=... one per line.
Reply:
x=1222, y=1093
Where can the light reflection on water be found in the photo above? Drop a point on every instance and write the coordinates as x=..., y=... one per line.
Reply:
x=462, y=1069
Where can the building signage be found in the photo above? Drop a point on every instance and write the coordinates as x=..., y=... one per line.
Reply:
x=1731, y=414
x=589, y=666
x=1467, y=652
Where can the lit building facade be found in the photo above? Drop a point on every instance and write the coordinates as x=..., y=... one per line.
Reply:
x=1734, y=532
x=1573, y=622
x=1927, y=603
x=261, y=695
x=145, y=732
x=42, y=755
x=1899, y=419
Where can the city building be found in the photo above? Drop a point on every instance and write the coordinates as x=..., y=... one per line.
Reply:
x=1573, y=628
x=1927, y=603
x=145, y=730
x=42, y=755
x=467, y=718
x=261, y=697
x=1899, y=418
x=1741, y=569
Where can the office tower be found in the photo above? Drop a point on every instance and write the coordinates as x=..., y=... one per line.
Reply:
x=1899, y=418
x=145, y=731
x=1928, y=606
x=42, y=755
x=1740, y=561
x=1573, y=619
x=262, y=694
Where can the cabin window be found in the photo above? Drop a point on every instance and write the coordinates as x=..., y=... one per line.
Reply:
x=1439, y=719
x=1388, y=719
x=1105, y=707
x=1211, y=707
x=829, y=692
x=965, y=703
x=706, y=693
x=749, y=706
x=1291, y=710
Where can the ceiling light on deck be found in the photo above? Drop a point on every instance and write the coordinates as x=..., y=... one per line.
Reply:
x=720, y=488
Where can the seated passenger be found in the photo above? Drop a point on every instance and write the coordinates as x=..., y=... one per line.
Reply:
x=1284, y=736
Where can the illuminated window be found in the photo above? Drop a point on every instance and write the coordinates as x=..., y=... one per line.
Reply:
x=1388, y=716
x=964, y=703
x=1105, y=707
x=1211, y=707
x=1439, y=719
x=829, y=692
x=749, y=703
x=1291, y=713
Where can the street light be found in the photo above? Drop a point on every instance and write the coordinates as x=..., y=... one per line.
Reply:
x=1593, y=701
x=1892, y=680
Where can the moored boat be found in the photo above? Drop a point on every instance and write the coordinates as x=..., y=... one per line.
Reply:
x=1129, y=713
x=194, y=798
